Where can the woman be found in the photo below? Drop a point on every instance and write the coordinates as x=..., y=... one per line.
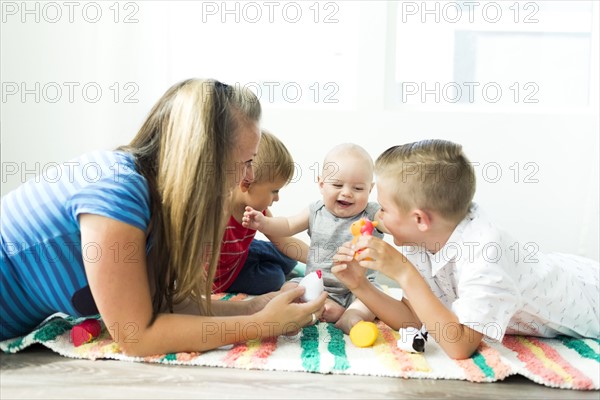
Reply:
x=134, y=234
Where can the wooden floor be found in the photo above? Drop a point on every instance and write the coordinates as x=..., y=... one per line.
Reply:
x=41, y=374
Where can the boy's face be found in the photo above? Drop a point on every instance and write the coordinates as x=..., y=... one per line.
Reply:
x=399, y=223
x=345, y=185
x=262, y=195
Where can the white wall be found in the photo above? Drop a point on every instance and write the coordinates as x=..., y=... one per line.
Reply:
x=168, y=43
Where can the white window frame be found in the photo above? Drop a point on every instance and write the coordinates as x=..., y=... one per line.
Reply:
x=390, y=86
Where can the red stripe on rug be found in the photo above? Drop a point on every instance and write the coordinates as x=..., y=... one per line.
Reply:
x=492, y=357
x=545, y=362
x=236, y=352
x=252, y=354
x=404, y=360
x=472, y=371
x=266, y=348
x=495, y=368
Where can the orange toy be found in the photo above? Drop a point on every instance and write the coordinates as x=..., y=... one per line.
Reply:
x=364, y=334
x=362, y=227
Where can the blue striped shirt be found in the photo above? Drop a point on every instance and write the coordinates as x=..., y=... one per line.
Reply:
x=41, y=266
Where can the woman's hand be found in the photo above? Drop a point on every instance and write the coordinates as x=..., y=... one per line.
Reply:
x=283, y=315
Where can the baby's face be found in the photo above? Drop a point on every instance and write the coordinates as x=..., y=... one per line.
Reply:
x=345, y=185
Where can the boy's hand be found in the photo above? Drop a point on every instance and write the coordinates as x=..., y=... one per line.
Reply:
x=346, y=268
x=253, y=219
x=383, y=257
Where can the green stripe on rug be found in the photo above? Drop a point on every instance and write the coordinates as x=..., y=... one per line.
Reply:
x=227, y=296
x=479, y=360
x=52, y=329
x=580, y=347
x=337, y=347
x=15, y=346
x=45, y=333
x=309, y=342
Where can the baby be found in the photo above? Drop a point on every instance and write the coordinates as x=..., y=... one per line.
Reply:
x=346, y=181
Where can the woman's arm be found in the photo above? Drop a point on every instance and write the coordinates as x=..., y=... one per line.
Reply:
x=118, y=279
x=226, y=308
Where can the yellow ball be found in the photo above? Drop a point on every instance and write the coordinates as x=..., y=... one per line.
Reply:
x=364, y=334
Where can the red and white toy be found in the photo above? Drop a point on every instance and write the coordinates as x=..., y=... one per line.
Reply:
x=313, y=283
x=85, y=332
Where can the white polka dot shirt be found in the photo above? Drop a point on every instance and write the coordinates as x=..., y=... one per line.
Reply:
x=497, y=285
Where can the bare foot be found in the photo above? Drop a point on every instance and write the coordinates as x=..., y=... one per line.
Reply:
x=353, y=315
x=332, y=311
x=348, y=320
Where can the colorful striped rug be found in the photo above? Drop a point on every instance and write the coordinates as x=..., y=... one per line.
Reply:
x=562, y=362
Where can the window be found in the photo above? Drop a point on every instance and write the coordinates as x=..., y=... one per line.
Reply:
x=291, y=54
x=524, y=55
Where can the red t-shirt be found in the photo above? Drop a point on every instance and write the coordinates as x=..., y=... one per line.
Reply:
x=234, y=252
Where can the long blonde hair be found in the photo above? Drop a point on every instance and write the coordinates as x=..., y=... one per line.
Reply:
x=183, y=149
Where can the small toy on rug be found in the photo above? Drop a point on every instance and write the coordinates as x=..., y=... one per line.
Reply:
x=362, y=227
x=85, y=332
x=364, y=334
x=313, y=283
x=412, y=339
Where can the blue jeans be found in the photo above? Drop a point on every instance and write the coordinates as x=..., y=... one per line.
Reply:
x=264, y=271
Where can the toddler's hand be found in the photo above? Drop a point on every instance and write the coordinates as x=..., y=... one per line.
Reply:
x=252, y=219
